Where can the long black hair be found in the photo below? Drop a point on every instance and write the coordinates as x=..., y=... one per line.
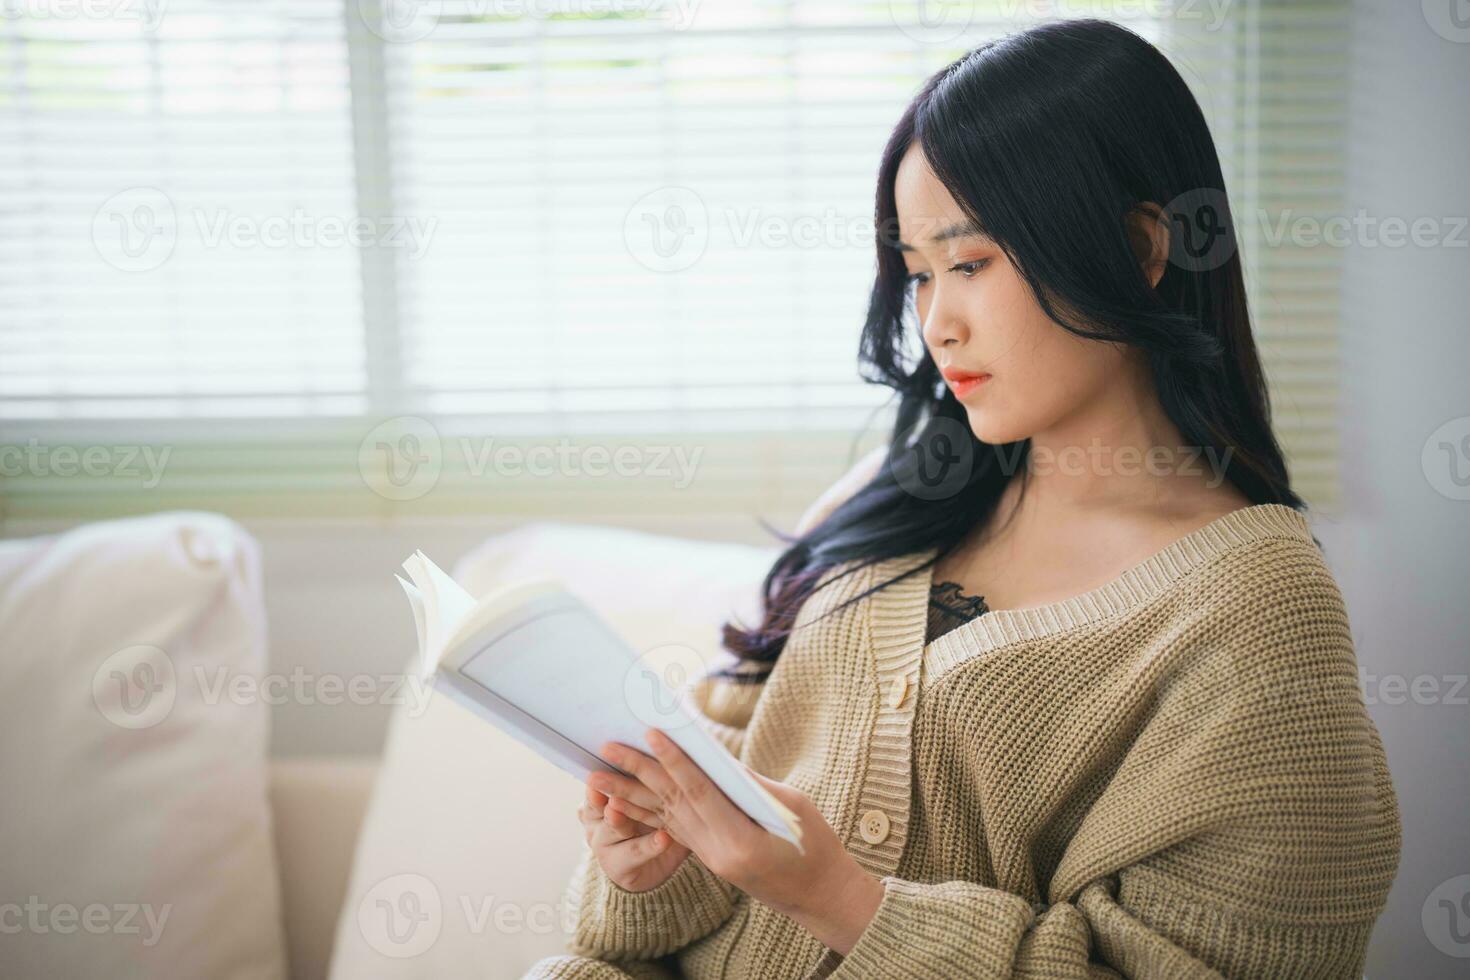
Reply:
x=1049, y=139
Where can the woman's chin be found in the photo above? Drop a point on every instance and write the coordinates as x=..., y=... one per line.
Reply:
x=989, y=429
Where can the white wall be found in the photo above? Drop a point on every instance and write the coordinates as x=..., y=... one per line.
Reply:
x=1402, y=551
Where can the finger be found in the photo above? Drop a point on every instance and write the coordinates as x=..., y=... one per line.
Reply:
x=680, y=819
x=644, y=768
x=588, y=823
x=707, y=800
x=626, y=824
x=648, y=818
x=629, y=854
x=608, y=832
x=624, y=788
x=589, y=816
x=595, y=798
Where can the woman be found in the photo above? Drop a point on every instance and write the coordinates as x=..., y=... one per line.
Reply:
x=1058, y=682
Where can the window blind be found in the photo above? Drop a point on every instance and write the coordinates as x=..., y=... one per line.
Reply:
x=649, y=220
x=169, y=172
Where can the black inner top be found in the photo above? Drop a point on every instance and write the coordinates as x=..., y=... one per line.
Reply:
x=949, y=607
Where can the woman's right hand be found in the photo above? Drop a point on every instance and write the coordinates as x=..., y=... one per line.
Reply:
x=635, y=856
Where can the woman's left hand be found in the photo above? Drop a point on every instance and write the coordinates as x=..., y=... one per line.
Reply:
x=823, y=889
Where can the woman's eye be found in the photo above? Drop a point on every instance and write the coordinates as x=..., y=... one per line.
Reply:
x=916, y=279
x=968, y=269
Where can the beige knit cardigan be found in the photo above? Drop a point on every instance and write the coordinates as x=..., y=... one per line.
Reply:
x=1172, y=775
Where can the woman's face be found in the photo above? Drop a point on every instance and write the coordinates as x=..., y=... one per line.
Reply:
x=980, y=317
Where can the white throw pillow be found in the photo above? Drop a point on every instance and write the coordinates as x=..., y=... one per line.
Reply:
x=471, y=838
x=137, y=839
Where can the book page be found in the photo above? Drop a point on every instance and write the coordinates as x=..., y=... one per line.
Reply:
x=568, y=670
x=420, y=622
x=442, y=605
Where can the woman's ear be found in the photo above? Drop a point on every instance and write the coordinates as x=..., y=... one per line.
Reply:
x=1148, y=233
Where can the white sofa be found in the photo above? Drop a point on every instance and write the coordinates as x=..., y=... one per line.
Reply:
x=293, y=867
x=317, y=806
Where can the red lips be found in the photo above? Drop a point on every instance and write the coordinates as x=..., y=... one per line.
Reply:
x=964, y=382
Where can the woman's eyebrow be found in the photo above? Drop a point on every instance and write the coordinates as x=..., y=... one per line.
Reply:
x=963, y=229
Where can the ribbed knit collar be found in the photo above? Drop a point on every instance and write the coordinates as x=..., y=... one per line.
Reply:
x=904, y=603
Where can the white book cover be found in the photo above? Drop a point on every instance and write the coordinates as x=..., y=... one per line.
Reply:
x=537, y=662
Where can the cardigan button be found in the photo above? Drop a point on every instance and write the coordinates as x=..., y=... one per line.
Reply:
x=874, y=826
x=898, y=691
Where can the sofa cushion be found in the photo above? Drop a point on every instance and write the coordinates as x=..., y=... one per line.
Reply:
x=471, y=838
x=136, y=826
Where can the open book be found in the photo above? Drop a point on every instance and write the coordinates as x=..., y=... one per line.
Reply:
x=537, y=662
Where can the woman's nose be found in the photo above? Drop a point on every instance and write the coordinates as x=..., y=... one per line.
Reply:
x=943, y=324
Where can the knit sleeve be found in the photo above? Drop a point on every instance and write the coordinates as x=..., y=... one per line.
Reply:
x=614, y=923
x=1250, y=831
